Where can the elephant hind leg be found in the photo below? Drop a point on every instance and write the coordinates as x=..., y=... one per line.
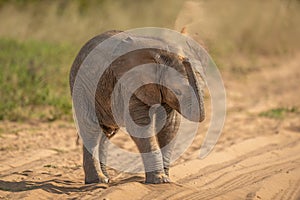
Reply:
x=95, y=168
x=103, y=146
x=92, y=170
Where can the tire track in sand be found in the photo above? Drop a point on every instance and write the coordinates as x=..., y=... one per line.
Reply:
x=270, y=171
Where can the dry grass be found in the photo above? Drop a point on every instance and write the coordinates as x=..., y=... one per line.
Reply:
x=77, y=21
x=237, y=33
x=250, y=29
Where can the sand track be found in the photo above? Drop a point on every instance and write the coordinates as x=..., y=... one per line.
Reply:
x=241, y=171
x=255, y=158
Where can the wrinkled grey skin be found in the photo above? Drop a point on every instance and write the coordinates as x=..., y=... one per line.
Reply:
x=139, y=105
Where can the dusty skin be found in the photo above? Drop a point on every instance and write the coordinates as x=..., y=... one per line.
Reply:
x=256, y=157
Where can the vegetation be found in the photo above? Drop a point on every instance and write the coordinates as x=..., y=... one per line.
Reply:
x=34, y=80
x=278, y=113
x=39, y=40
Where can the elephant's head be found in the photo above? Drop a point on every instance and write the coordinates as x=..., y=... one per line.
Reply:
x=180, y=86
x=184, y=94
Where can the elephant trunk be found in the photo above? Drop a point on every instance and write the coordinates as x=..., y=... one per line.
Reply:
x=195, y=115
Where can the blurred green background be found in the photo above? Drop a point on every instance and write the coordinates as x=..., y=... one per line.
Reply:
x=39, y=40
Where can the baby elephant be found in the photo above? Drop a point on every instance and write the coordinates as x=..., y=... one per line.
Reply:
x=156, y=149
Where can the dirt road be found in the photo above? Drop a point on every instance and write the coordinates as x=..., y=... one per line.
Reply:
x=257, y=156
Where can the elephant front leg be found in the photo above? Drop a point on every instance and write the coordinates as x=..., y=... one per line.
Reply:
x=152, y=160
x=92, y=169
x=166, y=136
x=142, y=134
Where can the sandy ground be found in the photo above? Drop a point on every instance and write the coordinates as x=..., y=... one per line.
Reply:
x=255, y=158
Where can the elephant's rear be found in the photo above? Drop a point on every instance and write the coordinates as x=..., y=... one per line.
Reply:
x=84, y=52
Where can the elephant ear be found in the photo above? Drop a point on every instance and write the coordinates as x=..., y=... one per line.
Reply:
x=149, y=94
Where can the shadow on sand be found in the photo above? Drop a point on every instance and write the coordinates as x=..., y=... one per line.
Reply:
x=53, y=186
x=61, y=186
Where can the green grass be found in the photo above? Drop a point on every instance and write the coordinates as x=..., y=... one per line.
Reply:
x=34, y=80
x=34, y=73
x=278, y=113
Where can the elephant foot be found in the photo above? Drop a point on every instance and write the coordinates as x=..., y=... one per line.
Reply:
x=100, y=179
x=166, y=169
x=103, y=169
x=156, y=178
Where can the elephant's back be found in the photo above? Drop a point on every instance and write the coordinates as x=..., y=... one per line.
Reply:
x=84, y=52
